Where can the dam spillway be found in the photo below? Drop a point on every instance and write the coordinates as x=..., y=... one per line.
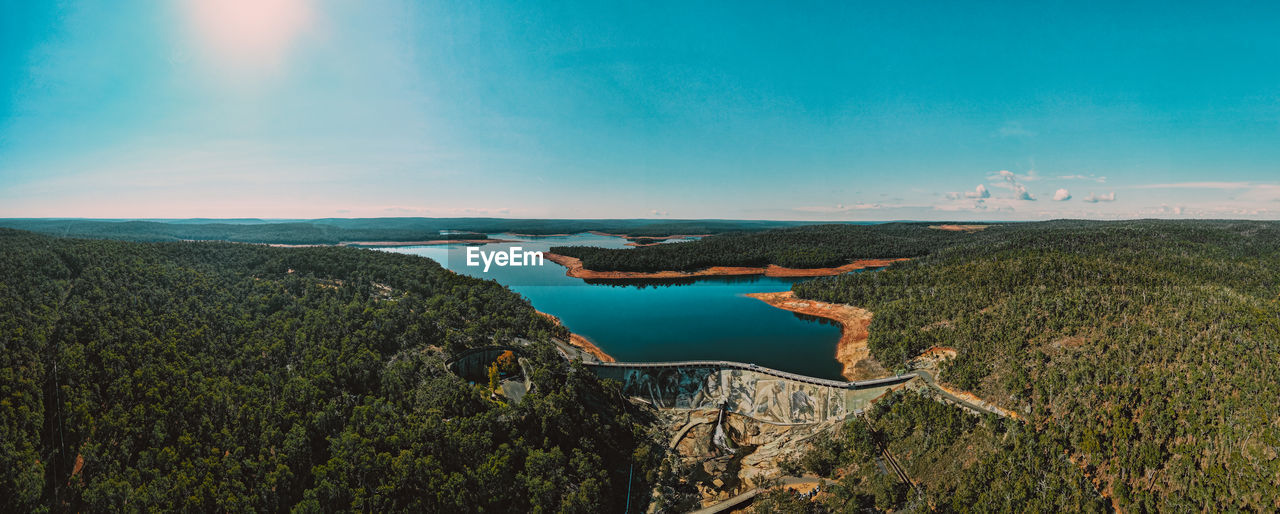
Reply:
x=765, y=394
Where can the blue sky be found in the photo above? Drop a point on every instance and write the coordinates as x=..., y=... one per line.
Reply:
x=840, y=111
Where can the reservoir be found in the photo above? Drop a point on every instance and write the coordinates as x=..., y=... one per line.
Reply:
x=703, y=319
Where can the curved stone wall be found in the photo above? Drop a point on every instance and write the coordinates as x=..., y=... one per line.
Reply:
x=765, y=394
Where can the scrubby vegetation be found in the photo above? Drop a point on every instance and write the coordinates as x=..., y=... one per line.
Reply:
x=813, y=246
x=958, y=461
x=1143, y=358
x=1150, y=350
x=228, y=377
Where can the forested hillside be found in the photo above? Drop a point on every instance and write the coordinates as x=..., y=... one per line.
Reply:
x=812, y=246
x=958, y=461
x=229, y=377
x=1150, y=349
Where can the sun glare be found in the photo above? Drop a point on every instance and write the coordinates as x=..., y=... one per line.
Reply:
x=248, y=35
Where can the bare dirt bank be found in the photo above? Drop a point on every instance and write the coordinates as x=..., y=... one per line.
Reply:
x=959, y=228
x=581, y=342
x=576, y=270
x=852, y=350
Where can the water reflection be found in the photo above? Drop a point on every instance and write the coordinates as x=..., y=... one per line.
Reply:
x=660, y=320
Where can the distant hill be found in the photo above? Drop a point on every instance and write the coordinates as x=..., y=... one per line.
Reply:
x=338, y=230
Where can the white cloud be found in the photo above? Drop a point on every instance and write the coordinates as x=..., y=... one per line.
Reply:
x=656, y=212
x=1061, y=195
x=978, y=193
x=1012, y=181
x=1092, y=198
x=1022, y=194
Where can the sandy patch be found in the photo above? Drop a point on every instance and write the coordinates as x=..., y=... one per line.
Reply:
x=938, y=353
x=974, y=399
x=852, y=350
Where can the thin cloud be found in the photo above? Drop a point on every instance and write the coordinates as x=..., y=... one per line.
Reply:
x=1199, y=185
x=1092, y=198
x=847, y=208
x=1093, y=178
x=1015, y=129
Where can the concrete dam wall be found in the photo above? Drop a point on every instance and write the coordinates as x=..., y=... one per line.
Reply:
x=765, y=394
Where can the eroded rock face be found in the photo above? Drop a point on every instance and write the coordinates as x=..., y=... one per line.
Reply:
x=755, y=450
x=756, y=394
x=763, y=420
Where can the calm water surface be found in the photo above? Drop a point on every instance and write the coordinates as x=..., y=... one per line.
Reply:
x=654, y=321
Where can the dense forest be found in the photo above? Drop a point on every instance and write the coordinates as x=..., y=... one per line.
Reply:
x=1143, y=358
x=956, y=461
x=232, y=377
x=812, y=246
x=337, y=230
x=1149, y=349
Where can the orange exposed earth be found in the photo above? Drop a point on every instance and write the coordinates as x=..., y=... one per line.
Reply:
x=576, y=270
x=581, y=342
x=852, y=350
x=959, y=228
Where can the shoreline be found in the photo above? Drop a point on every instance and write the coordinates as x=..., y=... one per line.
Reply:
x=631, y=239
x=574, y=268
x=427, y=243
x=852, y=351
x=629, y=236
x=392, y=243
x=579, y=341
x=661, y=240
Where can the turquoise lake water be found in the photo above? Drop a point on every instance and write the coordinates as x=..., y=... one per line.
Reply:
x=662, y=321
